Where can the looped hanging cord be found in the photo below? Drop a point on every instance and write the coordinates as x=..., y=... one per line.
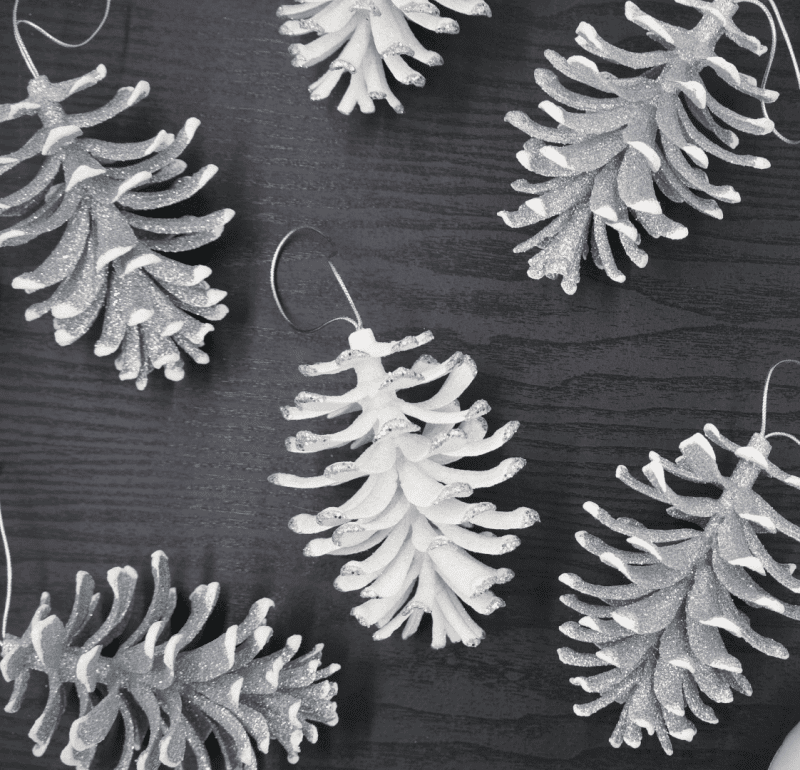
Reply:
x=766, y=396
x=274, y=284
x=8, y=578
x=785, y=435
x=772, y=19
x=24, y=50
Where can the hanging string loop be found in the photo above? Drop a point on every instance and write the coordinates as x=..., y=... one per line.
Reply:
x=765, y=397
x=23, y=48
x=773, y=17
x=357, y=323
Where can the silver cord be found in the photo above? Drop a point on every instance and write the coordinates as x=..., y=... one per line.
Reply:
x=23, y=48
x=8, y=577
x=766, y=394
x=772, y=50
x=785, y=435
x=273, y=272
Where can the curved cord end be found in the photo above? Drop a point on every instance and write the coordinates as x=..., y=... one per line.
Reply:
x=360, y=323
x=784, y=435
x=766, y=393
x=8, y=578
x=273, y=272
x=772, y=20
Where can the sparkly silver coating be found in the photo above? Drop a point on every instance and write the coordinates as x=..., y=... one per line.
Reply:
x=110, y=258
x=365, y=36
x=177, y=696
x=607, y=156
x=410, y=506
x=661, y=631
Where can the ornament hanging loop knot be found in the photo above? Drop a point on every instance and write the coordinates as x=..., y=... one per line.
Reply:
x=357, y=323
x=23, y=48
x=766, y=396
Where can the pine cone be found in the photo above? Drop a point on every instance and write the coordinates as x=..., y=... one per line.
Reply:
x=109, y=256
x=661, y=632
x=411, y=504
x=177, y=696
x=607, y=156
x=370, y=33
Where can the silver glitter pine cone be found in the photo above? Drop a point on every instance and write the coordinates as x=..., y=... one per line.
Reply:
x=173, y=697
x=110, y=258
x=607, y=155
x=368, y=35
x=660, y=633
x=410, y=507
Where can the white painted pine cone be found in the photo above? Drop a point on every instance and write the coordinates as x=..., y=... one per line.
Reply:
x=365, y=36
x=411, y=507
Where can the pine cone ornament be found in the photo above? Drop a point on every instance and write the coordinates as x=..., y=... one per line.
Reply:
x=607, y=156
x=110, y=257
x=661, y=632
x=368, y=34
x=410, y=507
x=177, y=697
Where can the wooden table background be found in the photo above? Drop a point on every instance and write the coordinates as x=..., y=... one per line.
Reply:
x=95, y=474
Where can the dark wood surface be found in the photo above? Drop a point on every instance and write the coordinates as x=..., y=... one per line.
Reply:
x=95, y=474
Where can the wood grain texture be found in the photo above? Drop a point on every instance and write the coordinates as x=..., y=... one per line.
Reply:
x=96, y=474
